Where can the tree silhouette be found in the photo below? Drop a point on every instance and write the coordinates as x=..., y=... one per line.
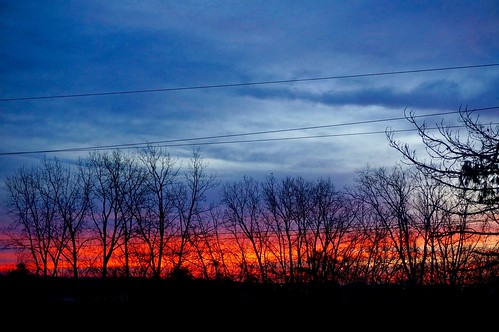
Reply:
x=470, y=165
x=147, y=219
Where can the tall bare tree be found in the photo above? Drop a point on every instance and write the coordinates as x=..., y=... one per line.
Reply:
x=133, y=197
x=49, y=206
x=110, y=177
x=34, y=223
x=388, y=192
x=155, y=220
x=374, y=258
x=469, y=165
x=331, y=218
x=70, y=194
x=243, y=215
x=190, y=194
x=431, y=202
x=279, y=203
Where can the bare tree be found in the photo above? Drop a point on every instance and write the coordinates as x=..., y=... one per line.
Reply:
x=279, y=205
x=306, y=235
x=430, y=203
x=374, y=257
x=155, y=222
x=208, y=237
x=133, y=197
x=469, y=165
x=110, y=177
x=459, y=239
x=188, y=202
x=70, y=195
x=32, y=226
x=37, y=198
x=388, y=192
x=244, y=216
x=331, y=218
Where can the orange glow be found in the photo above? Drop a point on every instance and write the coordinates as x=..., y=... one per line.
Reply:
x=234, y=257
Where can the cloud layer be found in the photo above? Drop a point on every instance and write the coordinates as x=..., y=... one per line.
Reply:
x=92, y=47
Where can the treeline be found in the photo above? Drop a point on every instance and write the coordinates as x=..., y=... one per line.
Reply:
x=144, y=214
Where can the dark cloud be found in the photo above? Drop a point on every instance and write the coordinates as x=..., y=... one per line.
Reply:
x=86, y=47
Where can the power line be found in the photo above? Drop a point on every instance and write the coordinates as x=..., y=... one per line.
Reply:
x=185, y=141
x=229, y=85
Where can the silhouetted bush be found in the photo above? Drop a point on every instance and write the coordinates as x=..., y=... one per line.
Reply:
x=180, y=274
x=21, y=271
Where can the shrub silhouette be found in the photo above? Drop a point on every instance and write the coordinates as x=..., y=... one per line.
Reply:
x=20, y=272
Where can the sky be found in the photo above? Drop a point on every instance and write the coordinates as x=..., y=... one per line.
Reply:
x=298, y=88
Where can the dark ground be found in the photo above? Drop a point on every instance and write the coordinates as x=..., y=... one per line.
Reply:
x=139, y=303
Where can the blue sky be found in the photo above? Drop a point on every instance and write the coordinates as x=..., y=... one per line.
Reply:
x=113, y=53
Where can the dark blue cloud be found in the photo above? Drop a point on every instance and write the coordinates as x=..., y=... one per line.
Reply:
x=81, y=47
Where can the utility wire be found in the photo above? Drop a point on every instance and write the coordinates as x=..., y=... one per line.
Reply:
x=300, y=137
x=178, y=142
x=229, y=85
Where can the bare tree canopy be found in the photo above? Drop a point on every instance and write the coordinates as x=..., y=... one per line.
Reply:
x=117, y=214
x=469, y=165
